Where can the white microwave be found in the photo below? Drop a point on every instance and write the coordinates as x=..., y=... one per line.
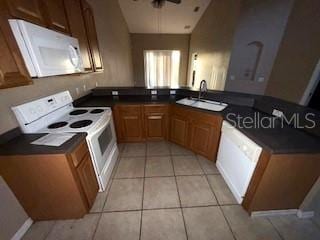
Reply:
x=46, y=52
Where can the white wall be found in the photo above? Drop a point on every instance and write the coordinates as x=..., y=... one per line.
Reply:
x=263, y=21
x=12, y=215
x=312, y=201
x=212, y=41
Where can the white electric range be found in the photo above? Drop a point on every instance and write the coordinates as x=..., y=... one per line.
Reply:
x=56, y=114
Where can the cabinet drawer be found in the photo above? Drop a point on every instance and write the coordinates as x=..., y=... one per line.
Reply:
x=210, y=119
x=180, y=110
x=79, y=153
x=129, y=109
x=157, y=108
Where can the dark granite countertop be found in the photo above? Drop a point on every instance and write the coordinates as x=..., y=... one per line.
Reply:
x=109, y=101
x=277, y=139
x=21, y=145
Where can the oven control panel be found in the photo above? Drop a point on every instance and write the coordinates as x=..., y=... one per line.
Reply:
x=31, y=111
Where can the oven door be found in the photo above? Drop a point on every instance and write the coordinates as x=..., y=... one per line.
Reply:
x=101, y=142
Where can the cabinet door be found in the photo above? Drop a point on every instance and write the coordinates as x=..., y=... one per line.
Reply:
x=179, y=130
x=78, y=30
x=13, y=71
x=56, y=15
x=201, y=138
x=92, y=36
x=155, y=126
x=29, y=10
x=156, y=121
x=88, y=179
x=131, y=123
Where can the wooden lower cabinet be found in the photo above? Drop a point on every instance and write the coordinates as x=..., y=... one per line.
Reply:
x=129, y=123
x=135, y=123
x=88, y=179
x=281, y=181
x=192, y=129
x=201, y=136
x=52, y=186
x=179, y=130
x=196, y=130
x=156, y=121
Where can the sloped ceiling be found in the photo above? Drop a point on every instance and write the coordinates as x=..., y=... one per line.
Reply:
x=142, y=17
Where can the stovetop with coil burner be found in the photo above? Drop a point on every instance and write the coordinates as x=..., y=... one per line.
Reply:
x=77, y=120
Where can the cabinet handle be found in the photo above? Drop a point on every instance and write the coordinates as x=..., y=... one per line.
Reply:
x=1, y=75
x=154, y=117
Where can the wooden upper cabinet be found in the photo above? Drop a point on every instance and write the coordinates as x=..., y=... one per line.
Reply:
x=13, y=71
x=29, y=10
x=78, y=30
x=48, y=13
x=55, y=15
x=92, y=36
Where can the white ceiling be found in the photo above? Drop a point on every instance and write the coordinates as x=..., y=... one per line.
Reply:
x=141, y=17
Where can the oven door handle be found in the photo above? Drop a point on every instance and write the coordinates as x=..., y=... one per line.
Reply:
x=104, y=123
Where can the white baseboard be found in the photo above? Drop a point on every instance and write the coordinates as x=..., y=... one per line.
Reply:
x=299, y=213
x=272, y=213
x=23, y=229
x=305, y=214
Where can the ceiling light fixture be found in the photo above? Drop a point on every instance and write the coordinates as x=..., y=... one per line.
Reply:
x=158, y=3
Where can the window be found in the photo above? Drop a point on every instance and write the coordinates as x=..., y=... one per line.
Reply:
x=162, y=68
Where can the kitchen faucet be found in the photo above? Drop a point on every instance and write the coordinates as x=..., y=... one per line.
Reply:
x=203, y=89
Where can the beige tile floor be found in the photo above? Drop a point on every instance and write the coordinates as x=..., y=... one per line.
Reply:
x=161, y=191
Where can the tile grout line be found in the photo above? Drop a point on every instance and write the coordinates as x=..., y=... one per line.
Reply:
x=315, y=223
x=96, y=228
x=164, y=208
x=107, y=194
x=55, y=222
x=228, y=223
x=51, y=229
x=111, y=182
x=219, y=206
x=214, y=194
x=144, y=180
x=275, y=228
x=181, y=209
x=184, y=175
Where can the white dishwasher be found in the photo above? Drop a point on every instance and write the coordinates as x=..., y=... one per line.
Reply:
x=237, y=158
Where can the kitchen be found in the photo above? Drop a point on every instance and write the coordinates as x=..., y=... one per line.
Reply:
x=178, y=169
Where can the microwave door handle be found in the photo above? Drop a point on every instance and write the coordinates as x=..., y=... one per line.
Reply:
x=74, y=56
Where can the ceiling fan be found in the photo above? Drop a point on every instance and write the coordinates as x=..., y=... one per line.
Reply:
x=160, y=3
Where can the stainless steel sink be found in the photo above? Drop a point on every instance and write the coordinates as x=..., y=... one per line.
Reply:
x=203, y=104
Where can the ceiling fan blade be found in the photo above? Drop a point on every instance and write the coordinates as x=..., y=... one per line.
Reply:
x=175, y=1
